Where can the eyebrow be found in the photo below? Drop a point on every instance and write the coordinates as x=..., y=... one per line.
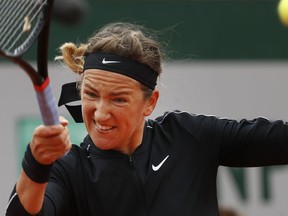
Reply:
x=114, y=93
x=119, y=93
x=87, y=85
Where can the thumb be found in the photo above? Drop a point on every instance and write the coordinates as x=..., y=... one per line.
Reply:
x=64, y=122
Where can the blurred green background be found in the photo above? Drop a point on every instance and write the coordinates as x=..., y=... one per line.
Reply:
x=199, y=30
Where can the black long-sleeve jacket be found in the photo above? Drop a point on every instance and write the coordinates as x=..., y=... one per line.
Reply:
x=173, y=171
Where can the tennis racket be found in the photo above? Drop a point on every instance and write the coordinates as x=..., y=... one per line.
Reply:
x=23, y=22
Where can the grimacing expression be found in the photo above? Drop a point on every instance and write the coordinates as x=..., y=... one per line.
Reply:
x=114, y=109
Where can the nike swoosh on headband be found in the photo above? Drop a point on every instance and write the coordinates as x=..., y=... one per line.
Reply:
x=104, y=61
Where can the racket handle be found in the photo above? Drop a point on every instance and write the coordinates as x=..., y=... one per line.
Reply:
x=47, y=104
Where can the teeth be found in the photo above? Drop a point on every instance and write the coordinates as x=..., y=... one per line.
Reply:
x=103, y=127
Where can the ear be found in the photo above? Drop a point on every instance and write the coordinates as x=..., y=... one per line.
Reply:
x=151, y=103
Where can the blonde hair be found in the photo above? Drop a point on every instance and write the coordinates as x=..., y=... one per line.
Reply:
x=124, y=39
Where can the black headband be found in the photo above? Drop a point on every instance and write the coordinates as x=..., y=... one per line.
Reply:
x=115, y=63
x=107, y=62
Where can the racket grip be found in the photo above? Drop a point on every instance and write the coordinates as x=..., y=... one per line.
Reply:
x=47, y=104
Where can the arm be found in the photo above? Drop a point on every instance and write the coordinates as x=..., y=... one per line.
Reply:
x=30, y=193
x=254, y=143
x=244, y=143
x=48, y=144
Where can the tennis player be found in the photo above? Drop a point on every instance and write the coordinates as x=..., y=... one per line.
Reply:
x=128, y=164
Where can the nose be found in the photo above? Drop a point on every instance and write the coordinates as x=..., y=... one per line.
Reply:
x=102, y=111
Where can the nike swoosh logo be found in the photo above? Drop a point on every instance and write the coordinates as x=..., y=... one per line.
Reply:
x=156, y=168
x=110, y=62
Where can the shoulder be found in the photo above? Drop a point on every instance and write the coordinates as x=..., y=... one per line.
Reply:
x=183, y=117
x=177, y=119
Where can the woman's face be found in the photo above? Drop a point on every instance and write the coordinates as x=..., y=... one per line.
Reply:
x=114, y=110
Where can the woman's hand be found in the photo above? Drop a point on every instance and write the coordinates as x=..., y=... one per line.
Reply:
x=50, y=142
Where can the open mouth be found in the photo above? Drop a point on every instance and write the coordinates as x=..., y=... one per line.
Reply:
x=104, y=128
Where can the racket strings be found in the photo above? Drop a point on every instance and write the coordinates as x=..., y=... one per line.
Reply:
x=5, y=10
x=11, y=19
x=18, y=20
x=26, y=26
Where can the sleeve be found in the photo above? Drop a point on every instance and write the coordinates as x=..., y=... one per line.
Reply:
x=56, y=201
x=243, y=143
x=15, y=208
x=252, y=143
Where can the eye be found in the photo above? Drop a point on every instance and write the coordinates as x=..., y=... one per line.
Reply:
x=120, y=100
x=91, y=94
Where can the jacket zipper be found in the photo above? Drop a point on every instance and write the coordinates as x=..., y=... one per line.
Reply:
x=140, y=186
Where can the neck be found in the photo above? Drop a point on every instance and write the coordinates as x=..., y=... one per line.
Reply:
x=135, y=142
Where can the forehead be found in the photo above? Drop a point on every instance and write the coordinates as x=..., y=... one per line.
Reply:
x=106, y=79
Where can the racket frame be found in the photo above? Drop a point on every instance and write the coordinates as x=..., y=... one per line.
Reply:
x=40, y=79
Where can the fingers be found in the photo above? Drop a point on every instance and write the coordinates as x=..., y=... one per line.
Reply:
x=49, y=143
x=64, y=122
x=48, y=131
